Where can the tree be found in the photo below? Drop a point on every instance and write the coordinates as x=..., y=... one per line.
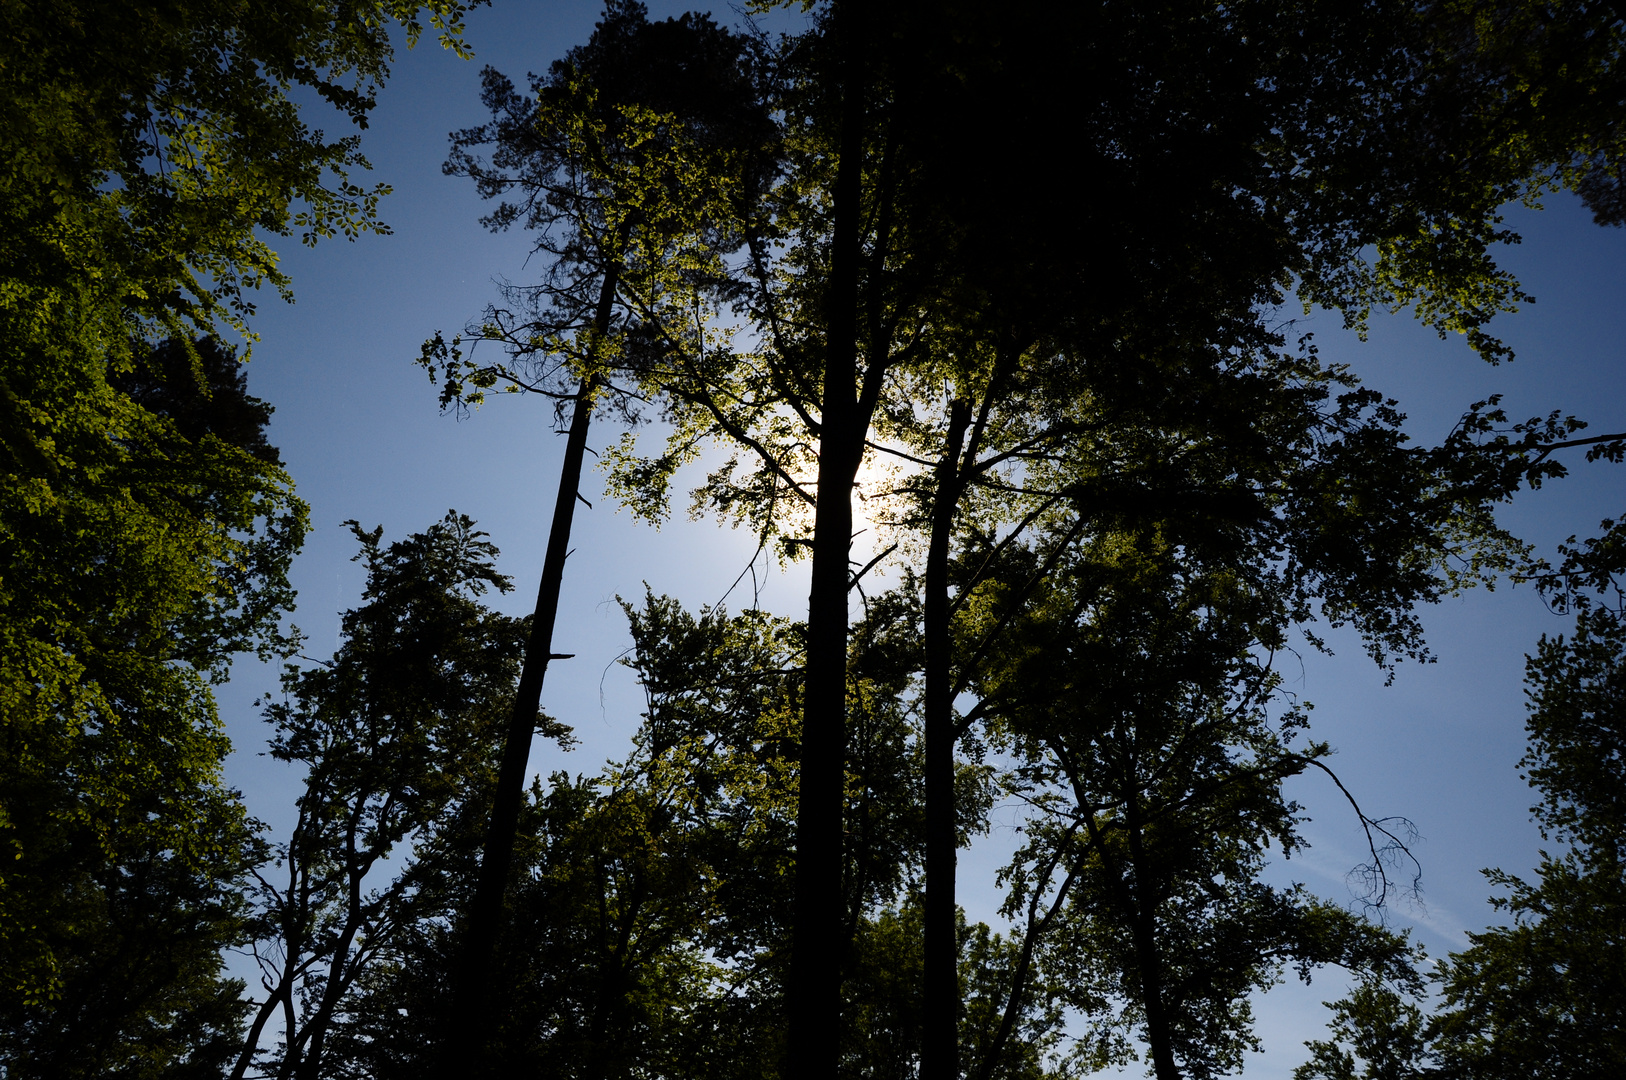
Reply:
x=151, y=145
x=1547, y=995
x=640, y=931
x=624, y=148
x=1230, y=145
x=145, y=536
x=133, y=573
x=1142, y=718
x=134, y=948
x=646, y=932
x=637, y=931
x=1165, y=553
x=1546, y=81
x=395, y=733
x=1232, y=153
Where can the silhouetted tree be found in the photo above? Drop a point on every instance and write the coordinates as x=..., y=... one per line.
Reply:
x=1230, y=152
x=913, y=270
x=614, y=162
x=395, y=734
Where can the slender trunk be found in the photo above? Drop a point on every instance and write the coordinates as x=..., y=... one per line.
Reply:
x=940, y=1039
x=296, y=936
x=1143, y=928
x=485, y=911
x=316, y=1029
x=1137, y=902
x=285, y=979
x=1036, y=928
x=251, y=1042
x=289, y=1018
x=814, y=985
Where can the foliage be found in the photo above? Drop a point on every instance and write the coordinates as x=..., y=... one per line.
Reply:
x=135, y=946
x=884, y=1003
x=1117, y=339
x=621, y=162
x=976, y=260
x=1546, y=80
x=646, y=925
x=1546, y=995
x=645, y=902
x=1375, y=1028
x=394, y=733
x=1138, y=702
x=147, y=540
x=151, y=145
x=145, y=537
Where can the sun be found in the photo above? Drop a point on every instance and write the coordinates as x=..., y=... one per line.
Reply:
x=875, y=508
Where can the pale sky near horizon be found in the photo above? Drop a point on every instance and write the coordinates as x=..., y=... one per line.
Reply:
x=357, y=424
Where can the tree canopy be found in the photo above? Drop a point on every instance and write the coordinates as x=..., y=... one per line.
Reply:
x=146, y=523
x=1005, y=288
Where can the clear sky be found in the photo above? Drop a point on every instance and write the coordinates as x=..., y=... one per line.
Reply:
x=358, y=427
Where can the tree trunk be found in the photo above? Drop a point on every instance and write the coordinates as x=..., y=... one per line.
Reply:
x=251, y=1041
x=1137, y=902
x=940, y=1039
x=817, y=942
x=315, y=1033
x=1143, y=924
x=485, y=911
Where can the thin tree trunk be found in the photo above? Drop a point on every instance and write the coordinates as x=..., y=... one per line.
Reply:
x=299, y=882
x=814, y=990
x=1143, y=928
x=285, y=978
x=485, y=911
x=1036, y=928
x=251, y=1042
x=315, y=1032
x=940, y=1039
x=1137, y=903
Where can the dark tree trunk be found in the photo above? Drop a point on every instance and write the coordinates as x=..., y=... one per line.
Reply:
x=485, y=911
x=315, y=1033
x=1136, y=900
x=940, y=1039
x=1143, y=923
x=251, y=1041
x=818, y=942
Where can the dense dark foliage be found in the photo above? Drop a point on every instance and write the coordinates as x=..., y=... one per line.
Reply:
x=998, y=285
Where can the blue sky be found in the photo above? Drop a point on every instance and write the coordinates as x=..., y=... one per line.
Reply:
x=358, y=426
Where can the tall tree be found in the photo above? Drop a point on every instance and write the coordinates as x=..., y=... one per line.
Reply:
x=145, y=535
x=395, y=733
x=1143, y=721
x=130, y=580
x=855, y=292
x=1232, y=152
x=627, y=142
x=1283, y=491
x=1546, y=996
x=647, y=932
x=1110, y=308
